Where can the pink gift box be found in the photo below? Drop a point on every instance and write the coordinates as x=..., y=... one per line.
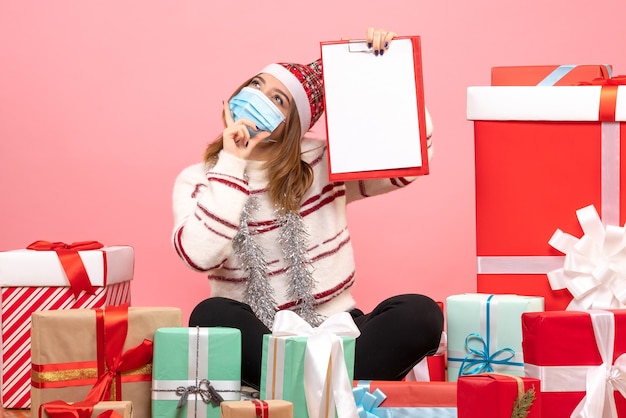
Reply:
x=36, y=281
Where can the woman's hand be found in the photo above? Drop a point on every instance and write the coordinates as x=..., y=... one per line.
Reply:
x=236, y=137
x=379, y=40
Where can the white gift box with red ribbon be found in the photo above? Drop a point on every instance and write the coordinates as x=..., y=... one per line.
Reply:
x=33, y=280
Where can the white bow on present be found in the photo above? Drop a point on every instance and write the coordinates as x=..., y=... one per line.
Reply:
x=602, y=380
x=324, y=363
x=594, y=270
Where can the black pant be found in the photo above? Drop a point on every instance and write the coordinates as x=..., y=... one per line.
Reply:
x=395, y=336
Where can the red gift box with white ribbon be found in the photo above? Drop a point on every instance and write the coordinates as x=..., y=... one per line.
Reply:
x=542, y=153
x=579, y=356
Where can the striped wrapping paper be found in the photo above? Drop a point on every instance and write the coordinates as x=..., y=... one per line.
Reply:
x=110, y=269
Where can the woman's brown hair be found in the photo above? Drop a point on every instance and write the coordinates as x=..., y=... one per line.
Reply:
x=289, y=177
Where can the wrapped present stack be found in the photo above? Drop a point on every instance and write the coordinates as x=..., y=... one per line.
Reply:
x=53, y=276
x=548, y=146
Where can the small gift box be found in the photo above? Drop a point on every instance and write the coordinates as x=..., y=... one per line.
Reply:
x=527, y=186
x=53, y=276
x=257, y=408
x=547, y=75
x=390, y=399
x=485, y=333
x=96, y=355
x=508, y=396
x=580, y=358
x=194, y=370
x=310, y=367
x=106, y=409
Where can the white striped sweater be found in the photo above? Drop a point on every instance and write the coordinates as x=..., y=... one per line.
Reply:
x=207, y=204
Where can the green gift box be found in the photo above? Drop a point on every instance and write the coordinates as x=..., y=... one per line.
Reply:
x=283, y=368
x=485, y=333
x=190, y=365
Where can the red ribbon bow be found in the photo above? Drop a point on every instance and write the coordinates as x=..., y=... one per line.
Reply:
x=111, y=328
x=62, y=409
x=71, y=262
x=608, y=96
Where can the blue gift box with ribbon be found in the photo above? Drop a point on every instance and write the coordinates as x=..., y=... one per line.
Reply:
x=485, y=333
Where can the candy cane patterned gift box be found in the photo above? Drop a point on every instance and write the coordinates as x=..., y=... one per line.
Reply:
x=53, y=276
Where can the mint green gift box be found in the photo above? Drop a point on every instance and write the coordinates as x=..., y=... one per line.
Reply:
x=485, y=333
x=282, y=369
x=186, y=361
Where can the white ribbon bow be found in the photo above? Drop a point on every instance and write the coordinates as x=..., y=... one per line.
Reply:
x=602, y=380
x=324, y=363
x=594, y=270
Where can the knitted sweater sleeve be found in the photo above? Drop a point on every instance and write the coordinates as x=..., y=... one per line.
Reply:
x=207, y=203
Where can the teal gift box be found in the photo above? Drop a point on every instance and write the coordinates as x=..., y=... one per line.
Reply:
x=190, y=365
x=283, y=368
x=485, y=333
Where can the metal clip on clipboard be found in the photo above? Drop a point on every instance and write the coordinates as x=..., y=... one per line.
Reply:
x=359, y=46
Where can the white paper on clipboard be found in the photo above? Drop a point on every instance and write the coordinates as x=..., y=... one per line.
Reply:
x=371, y=107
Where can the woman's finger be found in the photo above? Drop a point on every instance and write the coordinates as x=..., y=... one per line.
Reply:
x=228, y=117
x=370, y=36
x=387, y=39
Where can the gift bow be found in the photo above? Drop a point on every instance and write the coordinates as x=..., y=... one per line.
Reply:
x=71, y=262
x=479, y=360
x=602, y=380
x=594, y=270
x=62, y=409
x=207, y=393
x=326, y=380
x=112, y=327
x=608, y=95
x=366, y=401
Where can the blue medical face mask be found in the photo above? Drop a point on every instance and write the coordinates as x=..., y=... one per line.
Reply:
x=253, y=105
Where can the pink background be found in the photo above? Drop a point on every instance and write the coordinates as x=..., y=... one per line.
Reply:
x=102, y=103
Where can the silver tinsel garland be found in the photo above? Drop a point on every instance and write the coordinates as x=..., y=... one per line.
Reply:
x=258, y=293
x=293, y=241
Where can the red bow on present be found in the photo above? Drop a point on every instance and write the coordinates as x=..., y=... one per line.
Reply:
x=111, y=331
x=62, y=409
x=71, y=262
x=608, y=96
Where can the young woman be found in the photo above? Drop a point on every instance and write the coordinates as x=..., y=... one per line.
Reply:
x=261, y=218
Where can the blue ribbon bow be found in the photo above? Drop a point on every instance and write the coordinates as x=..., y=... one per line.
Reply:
x=366, y=401
x=480, y=360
